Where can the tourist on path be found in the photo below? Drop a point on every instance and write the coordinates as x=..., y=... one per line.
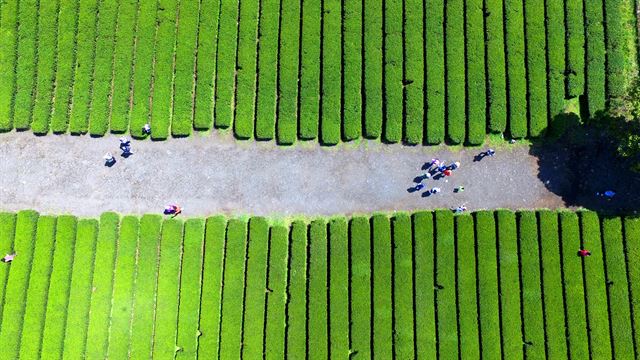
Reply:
x=435, y=190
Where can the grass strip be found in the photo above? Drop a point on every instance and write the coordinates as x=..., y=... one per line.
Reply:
x=45, y=68
x=425, y=319
x=123, y=58
x=255, y=294
x=434, y=79
x=331, y=122
x=275, y=329
x=185, y=58
x=352, y=69
x=206, y=64
x=496, y=73
x=536, y=66
x=102, y=76
x=466, y=275
x=476, y=85
x=393, y=73
x=163, y=77
x=339, y=288
x=516, y=72
x=226, y=64
x=208, y=342
x=102, y=287
x=8, y=54
x=403, y=314
x=595, y=59
x=26, y=62
x=144, y=300
x=288, y=61
x=59, y=287
x=488, y=295
x=445, y=258
x=75, y=337
x=296, y=341
x=310, y=70
x=268, y=70
x=317, y=311
x=597, y=302
x=190, y=289
x=123, y=289
x=36, y=298
x=532, y=311
x=233, y=290
x=84, y=66
x=246, y=68
x=552, y=284
x=382, y=288
x=455, y=71
x=373, y=15
x=360, y=285
x=511, y=323
x=574, y=10
x=7, y=234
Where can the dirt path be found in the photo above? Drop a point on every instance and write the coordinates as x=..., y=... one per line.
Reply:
x=208, y=175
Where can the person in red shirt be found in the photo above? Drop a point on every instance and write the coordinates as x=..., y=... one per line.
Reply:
x=584, y=253
x=447, y=172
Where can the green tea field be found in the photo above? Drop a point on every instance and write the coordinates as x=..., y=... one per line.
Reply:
x=417, y=72
x=491, y=285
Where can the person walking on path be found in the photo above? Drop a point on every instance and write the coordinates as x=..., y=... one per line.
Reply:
x=454, y=166
x=174, y=210
x=460, y=209
x=609, y=194
x=459, y=189
x=109, y=159
x=8, y=258
x=584, y=253
x=419, y=187
x=447, y=172
x=435, y=190
x=124, y=142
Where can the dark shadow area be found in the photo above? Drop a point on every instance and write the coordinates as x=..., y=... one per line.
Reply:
x=576, y=161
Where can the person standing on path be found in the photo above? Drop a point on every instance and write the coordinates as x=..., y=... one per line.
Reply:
x=490, y=152
x=435, y=190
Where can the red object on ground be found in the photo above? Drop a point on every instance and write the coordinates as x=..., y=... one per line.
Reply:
x=584, y=253
x=447, y=173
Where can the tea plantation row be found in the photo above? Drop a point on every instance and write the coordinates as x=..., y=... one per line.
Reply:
x=421, y=72
x=426, y=285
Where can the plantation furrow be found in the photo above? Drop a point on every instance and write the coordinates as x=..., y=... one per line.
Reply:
x=632, y=246
x=403, y=288
x=163, y=76
x=17, y=284
x=382, y=287
x=595, y=56
x=434, y=77
x=496, y=67
x=296, y=321
x=245, y=87
x=226, y=64
x=476, y=66
x=373, y=13
x=88, y=18
x=445, y=285
x=255, y=289
x=80, y=291
x=423, y=298
x=7, y=234
x=210, y=303
x=190, y=289
x=455, y=71
x=100, y=106
x=574, y=10
x=8, y=60
x=233, y=290
x=466, y=287
x=36, y=296
x=27, y=58
x=123, y=289
x=59, y=287
x=555, y=21
x=144, y=299
x=516, y=71
x=310, y=60
x=268, y=52
x=332, y=82
x=288, y=64
x=393, y=71
x=532, y=308
x=617, y=288
x=595, y=280
x=100, y=308
x=317, y=304
x=352, y=65
x=509, y=267
x=145, y=45
x=183, y=93
x=577, y=340
x=123, y=64
x=275, y=328
x=360, y=309
x=339, y=334
x=45, y=68
x=552, y=285
x=488, y=287
x=68, y=20
x=166, y=316
x=536, y=49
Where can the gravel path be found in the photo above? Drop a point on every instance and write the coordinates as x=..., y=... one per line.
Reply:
x=212, y=174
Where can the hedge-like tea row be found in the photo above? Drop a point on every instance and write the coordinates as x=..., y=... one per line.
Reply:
x=393, y=81
x=595, y=48
x=489, y=284
x=455, y=71
x=26, y=64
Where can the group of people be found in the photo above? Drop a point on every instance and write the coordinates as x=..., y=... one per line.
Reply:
x=125, y=147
